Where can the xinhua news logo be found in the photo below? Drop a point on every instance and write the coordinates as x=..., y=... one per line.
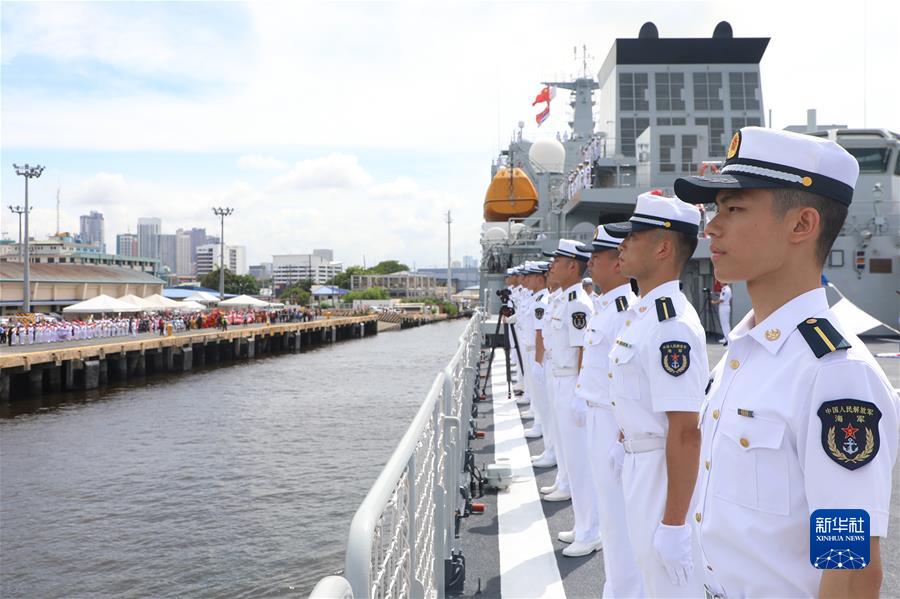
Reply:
x=839, y=539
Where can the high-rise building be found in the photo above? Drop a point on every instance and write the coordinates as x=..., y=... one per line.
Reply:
x=148, y=237
x=127, y=244
x=208, y=258
x=92, y=230
x=288, y=269
x=261, y=271
x=184, y=264
x=324, y=254
x=167, y=251
x=198, y=238
x=470, y=262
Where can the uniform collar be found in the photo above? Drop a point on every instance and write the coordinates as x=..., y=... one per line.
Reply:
x=622, y=290
x=668, y=289
x=781, y=324
x=574, y=287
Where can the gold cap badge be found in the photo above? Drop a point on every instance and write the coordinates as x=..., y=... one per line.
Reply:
x=734, y=146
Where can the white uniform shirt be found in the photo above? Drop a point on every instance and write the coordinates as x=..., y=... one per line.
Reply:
x=765, y=463
x=657, y=366
x=609, y=317
x=554, y=302
x=725, y=296
x=568, y=323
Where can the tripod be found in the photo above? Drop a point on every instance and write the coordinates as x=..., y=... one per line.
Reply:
x=506, y=311
x=708, y=314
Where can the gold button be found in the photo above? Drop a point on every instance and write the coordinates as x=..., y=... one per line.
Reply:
x=734, y=364
x=627, y=323
x=707, y=464
x=697, y=516
x=715, y=414
x=578, y=386
x=745, y=442
x=609, y=374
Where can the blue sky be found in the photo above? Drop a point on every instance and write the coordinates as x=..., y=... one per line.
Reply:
x=352, y=125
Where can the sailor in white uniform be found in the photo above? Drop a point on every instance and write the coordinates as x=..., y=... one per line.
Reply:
x=724, y=304
x=568, y=323
x=536, y=282
x=799, y=416
x=658, y=372
x=622, y=576
x=547, y=458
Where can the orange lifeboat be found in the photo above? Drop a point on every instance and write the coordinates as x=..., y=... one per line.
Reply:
x=509, y=196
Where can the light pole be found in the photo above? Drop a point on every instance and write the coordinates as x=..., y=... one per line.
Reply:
x=222, y=213
x=20, y=211
x=449, y=264
x=29, y=172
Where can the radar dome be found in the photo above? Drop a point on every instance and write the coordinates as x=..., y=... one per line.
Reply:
x=494, y=235
x=547, y=156
x=515, y=230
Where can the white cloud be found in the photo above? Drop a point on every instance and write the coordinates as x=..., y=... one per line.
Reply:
x=335, y=171
x=261, y=163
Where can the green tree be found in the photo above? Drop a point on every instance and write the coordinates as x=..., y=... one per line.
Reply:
x=296, y=294
x=373, y=293
x=342, y=279
x=236, y=284
x=387, y=267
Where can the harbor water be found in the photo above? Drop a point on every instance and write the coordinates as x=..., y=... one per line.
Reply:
x=238, y=481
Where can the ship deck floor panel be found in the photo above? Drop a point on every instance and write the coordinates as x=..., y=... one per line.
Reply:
x=481, y=534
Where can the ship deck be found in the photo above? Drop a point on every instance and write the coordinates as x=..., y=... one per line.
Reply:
x=511, y=549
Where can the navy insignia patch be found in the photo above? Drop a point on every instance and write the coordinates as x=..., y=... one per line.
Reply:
x=676, y=357
x=572, y=295
x=665, y=309
x=539, y=313
x=621, y=303
x=850, y=431
x=579, y=320
x=821, y=336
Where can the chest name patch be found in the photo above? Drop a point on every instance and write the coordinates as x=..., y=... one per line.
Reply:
x=850, y=431
x=676, y=357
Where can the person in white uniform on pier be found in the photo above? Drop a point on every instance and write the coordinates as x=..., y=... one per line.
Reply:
x=658, y=373
x=724, y=304
x=622, y=576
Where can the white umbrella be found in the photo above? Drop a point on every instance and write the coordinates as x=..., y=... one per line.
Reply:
x=189, y=306
x=243, y=301
x=101, y=303
x=203, y=297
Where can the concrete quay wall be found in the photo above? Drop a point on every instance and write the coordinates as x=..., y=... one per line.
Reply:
x=83, y=367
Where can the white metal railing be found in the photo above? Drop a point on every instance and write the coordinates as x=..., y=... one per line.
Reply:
x=404, y=529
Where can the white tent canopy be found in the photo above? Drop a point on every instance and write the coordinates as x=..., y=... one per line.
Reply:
x=133, y=300
x=190, y=306
x=203, y=297
x=158, y=302
x=243, y=301
x=101, y=303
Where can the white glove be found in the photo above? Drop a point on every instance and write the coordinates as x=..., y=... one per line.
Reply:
x=673, y=547
x=579, y=412
x=616, y=459
x=510, y=319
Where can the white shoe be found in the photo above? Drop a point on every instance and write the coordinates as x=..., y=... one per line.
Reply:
x=523, y=401
x=544, y=463
x=527, y=413
x=566, y=536
x=557, y=495
x=534, y=433
x=580, y=549
x=723, y=341
x=547, y=490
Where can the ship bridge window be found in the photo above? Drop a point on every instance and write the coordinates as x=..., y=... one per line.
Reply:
x=743, y=88
x=707, y=88
x=666, y=145
x=675, y=121
x=633, y=91
x=871, y=160
x=629, y=129
x=716, y=127
x=669, y=89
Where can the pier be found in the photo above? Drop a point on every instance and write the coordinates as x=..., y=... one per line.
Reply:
x=33, y=370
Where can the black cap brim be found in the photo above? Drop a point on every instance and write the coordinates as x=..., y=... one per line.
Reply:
x=619, y=230
x=703, y=190
x=594, y=249
x=549, y=254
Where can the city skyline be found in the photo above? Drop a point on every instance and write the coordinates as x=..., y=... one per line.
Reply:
x=362, y=152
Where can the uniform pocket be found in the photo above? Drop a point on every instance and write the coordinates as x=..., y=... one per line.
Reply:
x=750, y=464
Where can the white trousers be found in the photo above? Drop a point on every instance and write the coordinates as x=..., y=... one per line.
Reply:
x=531, y=388
x=623, y=579
x=551, y=422
x=644, y=480
x=725, y=318
x=573, y=441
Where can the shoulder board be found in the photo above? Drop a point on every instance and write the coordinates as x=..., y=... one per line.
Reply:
x=572, y=295
x=621, y=303
x=665, y=309
x=821, y=336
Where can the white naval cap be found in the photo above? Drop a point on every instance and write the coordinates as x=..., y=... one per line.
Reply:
x=587, y=281
x=655, y=211
x=760, y=158
x=568, y=248
x=602, y=241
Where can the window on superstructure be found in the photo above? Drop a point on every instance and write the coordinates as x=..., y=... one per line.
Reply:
x=707, y=91
x=669, y=87
x=738, y=123
x=629, y=129
x=666, y=145
x=688, y=147
x=742, y=88
x=716, y=128
x=633, y=91
x=665, y=121
x=871, y=160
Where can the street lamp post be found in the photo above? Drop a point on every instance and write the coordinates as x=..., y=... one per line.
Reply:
x=222, y=213
x=20, y=211
x=29, y=172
